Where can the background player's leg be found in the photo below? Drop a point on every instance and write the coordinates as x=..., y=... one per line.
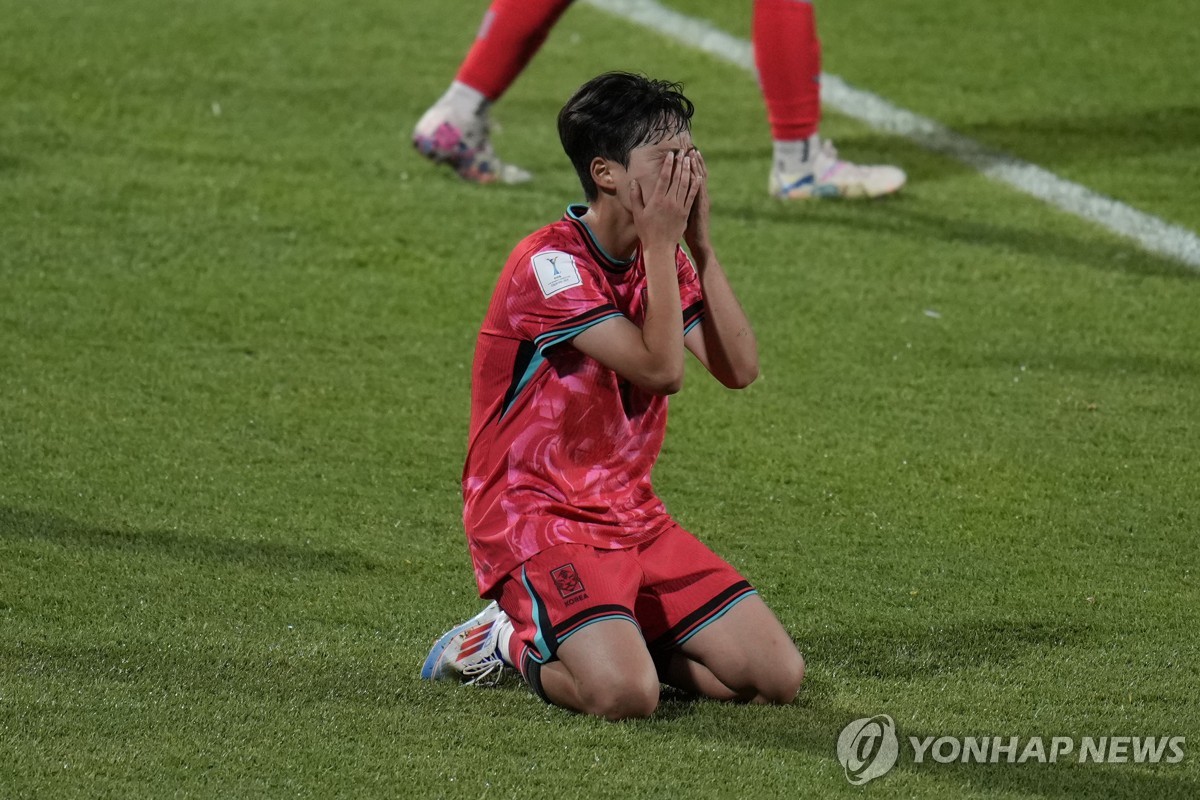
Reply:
x=456, y=129
x=511, y=34
x=605, y=670
x=745, y=655
x=788, y=55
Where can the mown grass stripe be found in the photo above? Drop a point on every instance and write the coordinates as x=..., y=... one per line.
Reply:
x=1152, y=233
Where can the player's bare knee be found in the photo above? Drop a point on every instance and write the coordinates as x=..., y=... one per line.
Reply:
x=786, y=679
x=778, y=680
x=638, y=704
x=796, y=674
x=632, y=697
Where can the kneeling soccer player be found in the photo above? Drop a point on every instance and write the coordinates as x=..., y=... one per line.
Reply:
x=598, y=594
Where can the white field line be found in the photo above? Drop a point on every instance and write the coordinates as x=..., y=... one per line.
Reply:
x=1152, y=233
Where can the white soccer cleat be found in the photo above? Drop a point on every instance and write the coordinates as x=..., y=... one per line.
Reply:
x=832, y=177
x=462, y=141
x=469, y=652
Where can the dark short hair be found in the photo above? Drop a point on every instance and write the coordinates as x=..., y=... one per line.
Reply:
x=614, y=113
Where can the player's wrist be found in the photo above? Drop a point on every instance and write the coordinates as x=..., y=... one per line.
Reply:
x=702, y=251
x=659, y=250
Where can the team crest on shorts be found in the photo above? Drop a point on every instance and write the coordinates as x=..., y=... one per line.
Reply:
x=566, y=579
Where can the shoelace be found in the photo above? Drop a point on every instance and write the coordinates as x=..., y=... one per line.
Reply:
x=479, y=673
x=484, y=669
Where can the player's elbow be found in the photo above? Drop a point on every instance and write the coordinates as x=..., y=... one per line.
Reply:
x=665, y=383
x=672, y=382
x=663, y=378
x=742, y=377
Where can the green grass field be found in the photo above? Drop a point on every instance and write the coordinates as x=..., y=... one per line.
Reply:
x=238, y=315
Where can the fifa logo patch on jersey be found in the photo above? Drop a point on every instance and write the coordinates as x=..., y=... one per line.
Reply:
x=567, y=581
x=556, y=271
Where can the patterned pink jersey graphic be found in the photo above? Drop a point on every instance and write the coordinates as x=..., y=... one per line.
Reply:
x=561, y=448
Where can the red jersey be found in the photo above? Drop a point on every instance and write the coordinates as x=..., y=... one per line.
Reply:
x=561, y=447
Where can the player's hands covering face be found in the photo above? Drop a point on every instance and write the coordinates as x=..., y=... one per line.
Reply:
x=696, y=234
x=661, y=214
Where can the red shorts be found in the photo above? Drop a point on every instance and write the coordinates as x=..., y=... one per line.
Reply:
x=670, y=587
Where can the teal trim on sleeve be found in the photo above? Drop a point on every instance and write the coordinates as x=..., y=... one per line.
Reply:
x=551, y=338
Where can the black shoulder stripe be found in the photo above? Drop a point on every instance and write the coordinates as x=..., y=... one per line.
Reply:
x=525, y=353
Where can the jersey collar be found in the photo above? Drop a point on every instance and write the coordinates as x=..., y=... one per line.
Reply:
x=575, y=213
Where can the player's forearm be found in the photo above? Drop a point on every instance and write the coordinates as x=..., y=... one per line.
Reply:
x=662, y=325
x=728, y=337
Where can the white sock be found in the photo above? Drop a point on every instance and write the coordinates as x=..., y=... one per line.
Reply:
x=463, y=101
x=503, y=638
x=797, y=156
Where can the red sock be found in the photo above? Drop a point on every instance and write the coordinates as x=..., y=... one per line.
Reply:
x=511, y=34
x=788, y=56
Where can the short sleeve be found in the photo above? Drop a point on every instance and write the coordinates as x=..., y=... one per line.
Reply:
x=554, y=297
x=691, y=299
